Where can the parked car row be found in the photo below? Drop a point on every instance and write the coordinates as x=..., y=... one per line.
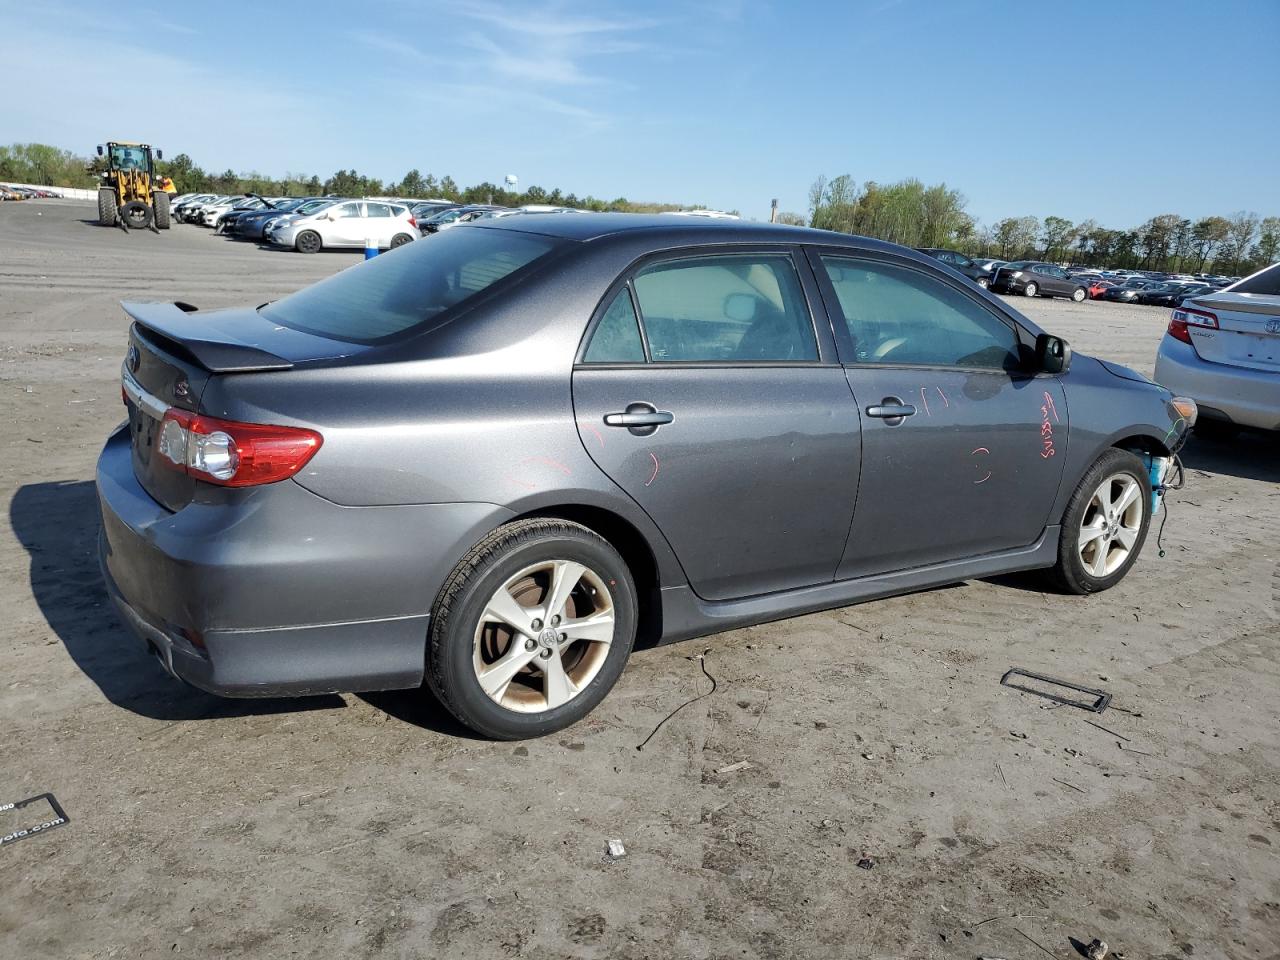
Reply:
x=9, y=192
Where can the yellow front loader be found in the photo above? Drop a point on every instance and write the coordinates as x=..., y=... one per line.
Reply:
x=131, y=195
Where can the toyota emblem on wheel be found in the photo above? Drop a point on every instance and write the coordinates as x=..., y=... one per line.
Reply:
x=1273, y=325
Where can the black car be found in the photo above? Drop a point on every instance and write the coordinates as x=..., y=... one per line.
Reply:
x=1174, y=295
x=429, y=208
x=229, y=225
x=1130, y=290
x=251, y=224
x=454, y=216
x=970, y=268
x=1031, y=278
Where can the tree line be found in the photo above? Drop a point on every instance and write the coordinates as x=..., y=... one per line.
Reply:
x=916, y=215
x=50, y=166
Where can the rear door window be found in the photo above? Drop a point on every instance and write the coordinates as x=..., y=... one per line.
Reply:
x=617, y=336
x=377, y=210
x=731, y=308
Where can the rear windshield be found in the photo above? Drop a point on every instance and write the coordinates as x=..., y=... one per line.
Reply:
x=1267, y=282
x=408, y=286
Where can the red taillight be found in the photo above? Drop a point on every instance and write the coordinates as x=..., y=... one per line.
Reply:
x=233, y=454
x=413, y=222
x=1185, y=317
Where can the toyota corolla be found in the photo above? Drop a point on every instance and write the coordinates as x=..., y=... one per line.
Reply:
x=489, y=464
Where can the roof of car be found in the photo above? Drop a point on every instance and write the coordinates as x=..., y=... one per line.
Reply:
x=595, y=226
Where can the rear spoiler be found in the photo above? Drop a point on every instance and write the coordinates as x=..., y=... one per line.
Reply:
x=198, y=340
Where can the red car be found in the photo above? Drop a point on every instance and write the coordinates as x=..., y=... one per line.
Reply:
x=1098, y=287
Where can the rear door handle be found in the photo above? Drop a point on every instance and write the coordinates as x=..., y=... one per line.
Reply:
x=891, y=410
x=642, y=419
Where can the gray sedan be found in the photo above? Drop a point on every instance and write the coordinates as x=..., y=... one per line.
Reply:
x=495, y=461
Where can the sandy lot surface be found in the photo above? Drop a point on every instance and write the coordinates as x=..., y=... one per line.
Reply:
x=897, y=801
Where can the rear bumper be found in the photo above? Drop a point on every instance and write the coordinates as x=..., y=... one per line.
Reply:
x=1249, y=398
x=276, y=591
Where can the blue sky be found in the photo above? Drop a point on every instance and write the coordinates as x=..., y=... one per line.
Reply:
x=1114, y=110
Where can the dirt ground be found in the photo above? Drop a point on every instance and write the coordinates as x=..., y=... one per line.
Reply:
x=896, y=802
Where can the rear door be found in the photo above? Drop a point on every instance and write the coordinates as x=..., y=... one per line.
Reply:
x=707, y=393
x=961, y=448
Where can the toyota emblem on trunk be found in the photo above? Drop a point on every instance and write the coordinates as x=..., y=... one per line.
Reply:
x=1273, y=325
x=132, y=358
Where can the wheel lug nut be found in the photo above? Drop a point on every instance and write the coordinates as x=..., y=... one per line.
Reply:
x=555, y=621
x=545, y=654
x=564, y=637
x=537, y=624
x=530, y=644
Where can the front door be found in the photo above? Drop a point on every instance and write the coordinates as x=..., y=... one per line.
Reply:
x=962, y=448
x=348, y=226
x=702, y=392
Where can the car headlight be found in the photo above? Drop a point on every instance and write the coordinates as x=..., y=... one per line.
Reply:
x=1187, y=409
x=1016, y=274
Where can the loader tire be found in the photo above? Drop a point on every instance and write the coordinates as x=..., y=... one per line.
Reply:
x=160, y=204
x=107, y=207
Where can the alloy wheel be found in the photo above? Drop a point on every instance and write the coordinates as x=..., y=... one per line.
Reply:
x=1111, y=524
x=543, y=636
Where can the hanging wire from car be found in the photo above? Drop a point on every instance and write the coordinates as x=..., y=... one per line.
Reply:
x=702, y=662
x=1163, y=490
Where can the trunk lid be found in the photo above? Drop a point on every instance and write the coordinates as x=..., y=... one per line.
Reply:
x=174, y=351
x=1248, y=333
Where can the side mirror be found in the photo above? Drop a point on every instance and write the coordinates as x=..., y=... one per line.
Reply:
x=1053, y=354
x=159, y=154
x=99, y=149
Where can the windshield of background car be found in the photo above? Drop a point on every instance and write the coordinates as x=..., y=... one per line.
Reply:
x=414, y=285
x=1018, y=264
x=314, y=206
x=1267, y=283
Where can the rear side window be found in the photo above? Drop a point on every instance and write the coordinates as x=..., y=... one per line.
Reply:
x=394, y=293
x=900, y=316
x=617, y=336
x=1266, y=283
x=725, y=308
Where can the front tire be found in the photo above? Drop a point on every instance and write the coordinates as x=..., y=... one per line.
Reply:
x=983, y=282
x=107, y=207
x=1105, y=525
x=308, y=241
x=1030, y=290
x=532, y=629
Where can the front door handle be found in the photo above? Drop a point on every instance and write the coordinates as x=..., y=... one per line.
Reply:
x=891, y=410
x=642, y=419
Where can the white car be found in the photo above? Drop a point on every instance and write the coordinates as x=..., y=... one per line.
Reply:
x=1222, y=349
x=345, y=225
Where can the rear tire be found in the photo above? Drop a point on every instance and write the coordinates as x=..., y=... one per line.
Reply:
x=1030, y=290
x=1098, y=546
x=1079, y=294
x=308, y=241
x=400, y=239
x=160, y=203
x=107, y=207
x=491, y=675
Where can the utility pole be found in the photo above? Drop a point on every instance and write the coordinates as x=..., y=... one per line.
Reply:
x=773, y=210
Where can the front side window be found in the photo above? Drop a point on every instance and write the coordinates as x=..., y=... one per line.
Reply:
x=617, y=337
x=748, y=308
x=387, y=296
x=895, y=315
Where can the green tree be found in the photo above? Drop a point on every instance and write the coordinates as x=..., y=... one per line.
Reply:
x=1207, y=236
x=1241, y=228
x=1267, y=250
